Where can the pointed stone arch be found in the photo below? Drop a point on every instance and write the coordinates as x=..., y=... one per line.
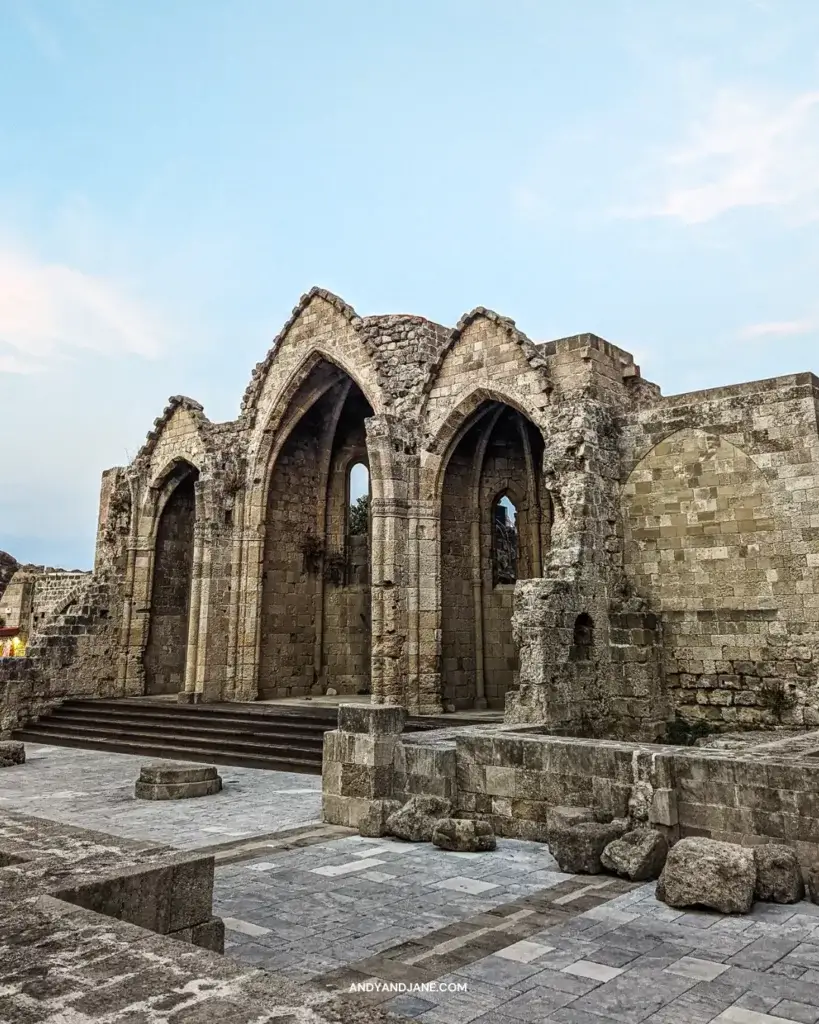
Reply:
x=488, y=446
x=172, y=625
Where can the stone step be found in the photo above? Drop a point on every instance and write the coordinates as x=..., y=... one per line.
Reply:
x=236, y=711
x=309, y=749
x=179, y=753
x=273, y=730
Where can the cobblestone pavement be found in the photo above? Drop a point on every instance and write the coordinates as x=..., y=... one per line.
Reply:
x=95, y=789
x=529, y=943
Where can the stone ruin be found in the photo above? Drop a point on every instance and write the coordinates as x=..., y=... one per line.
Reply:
x=545, y=534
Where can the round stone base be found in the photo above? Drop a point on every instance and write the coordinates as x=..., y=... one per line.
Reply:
x=176, y=782
x=11, y=752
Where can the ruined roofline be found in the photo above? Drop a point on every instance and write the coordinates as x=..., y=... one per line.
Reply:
x=788, y=380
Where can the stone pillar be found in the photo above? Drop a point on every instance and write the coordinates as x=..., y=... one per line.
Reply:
x=426, y=620
x=357, y=767
x=389, y=478
x=189, y=696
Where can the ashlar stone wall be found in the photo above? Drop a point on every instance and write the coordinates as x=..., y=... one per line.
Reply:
x=721, y=537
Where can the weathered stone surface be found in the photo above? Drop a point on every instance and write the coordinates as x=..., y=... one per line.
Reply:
x=167, y=780
x=63, y=918
x=416, y=820
x=11, y=752
x=812, y=879
x=708, y=873
x=176, y=790
x=578, y=848
x=778, y=875
x=638, y=855
x=463, y=835
x=373, y=823
x=169, y=772
x=560, y=817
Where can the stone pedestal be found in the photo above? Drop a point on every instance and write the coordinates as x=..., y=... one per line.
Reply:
x=357, y=769
x=176, y=782
x=11, y=752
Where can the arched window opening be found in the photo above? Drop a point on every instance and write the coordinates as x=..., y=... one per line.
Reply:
x=504, y=541
x=358, y=523
x=358, y=489
x=583, y=639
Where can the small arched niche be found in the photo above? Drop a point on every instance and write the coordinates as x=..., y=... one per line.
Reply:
x=582, y=638
x=504, y=541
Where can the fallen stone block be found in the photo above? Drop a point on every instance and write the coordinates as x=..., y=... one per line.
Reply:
x=166, y=781
x=702, y=872
x=463, y=835
x=559, y=817
x=778, y=875
x=12, y=752
x=373, y=823
x=416, y=820
x=638, y=855
x=578, y=848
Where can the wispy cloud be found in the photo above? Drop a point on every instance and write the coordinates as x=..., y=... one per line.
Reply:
x=49, y=310
x=777, y=329
x=745, y=150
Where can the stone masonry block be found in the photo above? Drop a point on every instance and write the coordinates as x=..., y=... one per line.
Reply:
x=191, y=897
x=373, y=718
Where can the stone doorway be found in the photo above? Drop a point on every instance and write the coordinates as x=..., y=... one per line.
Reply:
x=166, y=650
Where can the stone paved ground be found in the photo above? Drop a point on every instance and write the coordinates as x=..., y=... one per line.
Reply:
x=95, y=789
x=528, y=943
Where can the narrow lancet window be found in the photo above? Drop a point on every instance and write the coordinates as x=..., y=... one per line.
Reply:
x=504, y=541
x=358, y=523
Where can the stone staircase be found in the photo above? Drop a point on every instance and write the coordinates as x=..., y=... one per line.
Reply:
x=286, y=738
x=236, y=734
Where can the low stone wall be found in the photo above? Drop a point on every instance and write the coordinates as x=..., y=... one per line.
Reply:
x=511, y=776
x=99, y=927
x=153, y=887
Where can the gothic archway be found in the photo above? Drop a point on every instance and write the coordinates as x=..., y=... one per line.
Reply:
x=494, y=530
x=165, y=654
x=315, y=609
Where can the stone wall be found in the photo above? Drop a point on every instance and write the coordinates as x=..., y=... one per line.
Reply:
x=74, y=655
x=511, y=777
x=35, y=593
x=721, y=538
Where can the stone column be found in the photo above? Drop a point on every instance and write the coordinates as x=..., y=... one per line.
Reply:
x=389, y=476
x=189, y=695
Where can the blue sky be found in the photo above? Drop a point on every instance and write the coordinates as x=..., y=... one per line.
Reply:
x=175, y=174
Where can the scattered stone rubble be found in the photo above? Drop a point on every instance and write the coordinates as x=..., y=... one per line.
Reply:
x=638, y=855
x=463, y=835
x=778, y=875
x=416, y=820
x=578, y=848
